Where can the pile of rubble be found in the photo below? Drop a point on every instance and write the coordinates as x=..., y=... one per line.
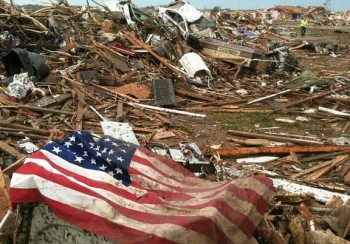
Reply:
x=141, y=77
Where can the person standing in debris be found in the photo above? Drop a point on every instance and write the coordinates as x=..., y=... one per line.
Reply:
x=303, y=25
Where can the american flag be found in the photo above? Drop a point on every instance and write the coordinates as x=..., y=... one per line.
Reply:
x=132, y=195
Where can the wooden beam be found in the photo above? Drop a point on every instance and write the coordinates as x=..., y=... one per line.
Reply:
x=149, y=49
x=310, y=98
x=280, y=150
x=193, y=95
x=5, y=203
x=274, y=138
x=45, y=110
x=5, y=147
x=25, y=128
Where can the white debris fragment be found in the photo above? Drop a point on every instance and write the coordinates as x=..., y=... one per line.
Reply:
x=256, y=160
x=20, y=86
x=242, y=92
x=319, y=194
x=194, y=64
x=29, y=147
x=302, y=118
x=284, y=120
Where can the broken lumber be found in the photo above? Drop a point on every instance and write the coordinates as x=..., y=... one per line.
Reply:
x=149, y=49
x=319, y=194
x=25, y=128
x=327, y=165
x=45, y=110
x=280, y=150
x=274, y=138
x=269, y=96
x=310, y=98
x=5, y=147
x=115, y=93
x=174, y=111
x=5, y=203
x=197, y=96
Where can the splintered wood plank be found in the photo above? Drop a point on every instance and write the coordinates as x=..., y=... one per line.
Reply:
x=137, y=90
x=163, y=135
x=128, y=75
x=5, y=147
x=326, y=165
x=80, y=110
x=5, y=203
x=313, y=97
x=79, y=117
x=120, y=109
x=280, y=150
x=321, y=171
x=193, y=95
x=162, y=119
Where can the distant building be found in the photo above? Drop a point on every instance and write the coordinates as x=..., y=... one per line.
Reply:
x=316, y=12
x=286, y=12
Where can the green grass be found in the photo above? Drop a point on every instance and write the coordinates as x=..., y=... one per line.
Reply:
x=238, y=121
x=252, y=121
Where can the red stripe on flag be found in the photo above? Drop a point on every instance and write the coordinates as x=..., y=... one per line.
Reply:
x=191, y=222
x=244, y=194
x=95, y=223
x=167, y=161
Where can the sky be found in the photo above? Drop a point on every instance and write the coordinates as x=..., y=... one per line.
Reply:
x=233, y=4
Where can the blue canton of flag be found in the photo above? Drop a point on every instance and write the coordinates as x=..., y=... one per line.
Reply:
x=108, y=154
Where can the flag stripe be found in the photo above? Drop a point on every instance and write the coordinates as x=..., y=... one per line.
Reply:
x=81, y=198
x=95, y=177
x=144, y=211
x=117, y=190
x=165, y=164
x=142, y=165
x=232, y=211
x=244, y=193
x=91, y=174
x=147, y=196
x=117, y=227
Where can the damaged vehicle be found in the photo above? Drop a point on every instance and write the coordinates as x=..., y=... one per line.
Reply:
x=278, y=56
x=202, y=34
x=187, y=19
x=132, y=15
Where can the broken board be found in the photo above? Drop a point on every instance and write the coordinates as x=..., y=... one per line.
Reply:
x=163, y=92
x=121, y=131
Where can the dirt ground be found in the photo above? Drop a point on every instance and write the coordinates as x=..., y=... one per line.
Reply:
x=213, y=129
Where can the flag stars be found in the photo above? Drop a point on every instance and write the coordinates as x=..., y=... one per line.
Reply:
x=67, y=144
x=111, y=152
x=103, y=167
x=107, y=139
x=91, y=144
x=98, y=154
x=111, y=173
x=93, y=161
x=120, y=159
x=104, y=150
x=85, y=153
x=81, y=144
x=119, y=170
x=123, y=150
x=97, y=148
x=78, y=159
x=109, y=160
x=72, y=138
x=115, y=144
x=57, y=150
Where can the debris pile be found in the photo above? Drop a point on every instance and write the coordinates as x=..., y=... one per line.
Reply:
x=179, y=82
